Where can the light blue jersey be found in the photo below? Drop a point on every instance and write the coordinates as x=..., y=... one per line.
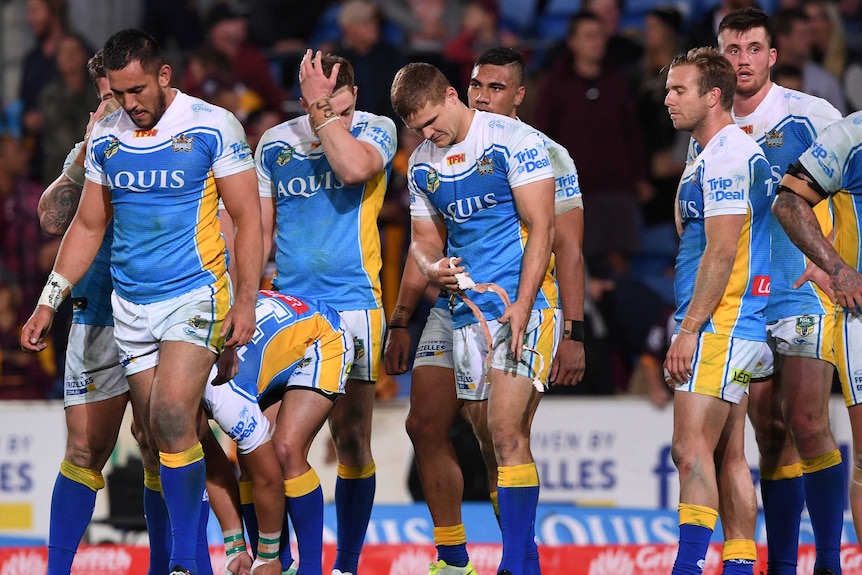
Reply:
x=327, y=241
x=91, y=297
x=469, y=185
x=729, y=177
x=784, y=125
x=167, y=238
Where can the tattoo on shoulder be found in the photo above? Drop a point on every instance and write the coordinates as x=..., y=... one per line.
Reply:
x=60, y=205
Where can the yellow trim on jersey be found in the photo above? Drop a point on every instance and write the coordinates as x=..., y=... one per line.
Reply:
x=846, y=228
x=208, y=237
x=451, y=535
x=739, y=549
x=302, y=485
x=246, y=492
x=841, y=360
x=189, y=456
x=495, y=502
x=727, y=313
x=825, y=461
x=824, y=218
x=152, y=481
x=783, y=472
x=710, y=375
x=548, y=287
x=375, y=320
x=285, y=348
x=361, y=472
x=524, y=475
x=690, y=514
x=223, y=297
x=82, y=475
x=369, y=234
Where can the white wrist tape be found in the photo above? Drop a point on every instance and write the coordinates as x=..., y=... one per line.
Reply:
x=465, y=282
x=75, y=173
x=52, y=294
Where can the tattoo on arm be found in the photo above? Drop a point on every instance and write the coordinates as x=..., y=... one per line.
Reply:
x=325, y=107
x=400, y=316
x=59, y=207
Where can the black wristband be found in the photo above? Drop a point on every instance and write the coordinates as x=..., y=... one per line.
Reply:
x=391, y=326
x=573, y=329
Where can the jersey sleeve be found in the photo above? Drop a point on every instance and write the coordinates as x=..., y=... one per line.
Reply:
x=529, y=160
x=820, y=113
x=381, y=134
x=262, y=167
x=234, y=155
x=726, y=181
x=420, y=206
x=823, y=159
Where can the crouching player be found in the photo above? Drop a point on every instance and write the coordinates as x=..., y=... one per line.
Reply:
x=299, y=349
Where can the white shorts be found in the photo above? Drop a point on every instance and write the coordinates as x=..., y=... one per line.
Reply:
x=93, y=370
x=470, y=350
x=435, y=343
x=848, y=356
x=238, y=415
x=724, y=366
x=195, y=317
x=803, y=336
x=367, y=329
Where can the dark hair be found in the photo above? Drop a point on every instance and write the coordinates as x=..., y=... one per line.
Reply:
x=127, y=46
x=784, y=19
x=582, y=16
x=503, y=56
x=96, y=67
x=345, y=71
x=713, y=71
x=416, y=85
x=746, y=19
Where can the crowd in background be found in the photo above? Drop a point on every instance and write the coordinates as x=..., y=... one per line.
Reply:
x=595, y=84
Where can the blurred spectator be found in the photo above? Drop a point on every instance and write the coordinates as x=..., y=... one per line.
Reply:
x=788, y=76
x=65, y=104
x=479, y=31
x=704, y=31
x=851, y=16
x=427, y=24
x=47, y=21
x=792, y=38
x=247, y=71
x=285, y=30
x=829, y=49
x=622, y=51
x=374, y=61
x=174, y=23
x=586, y=106
x=22, y=375
x=665, y=146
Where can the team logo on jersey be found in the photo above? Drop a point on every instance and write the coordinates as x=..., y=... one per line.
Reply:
x=112, y=148
x=774, y=139
x=284, y=156
x=146, y=133
x=749, y=129
x=761, y=286
x=79, y=303
x=358, y=348
x=456, y=159
x=485, y=166
x=741, y=377
x=805, y=325
x=432, y=181
x=182, y=143
x=198, y=322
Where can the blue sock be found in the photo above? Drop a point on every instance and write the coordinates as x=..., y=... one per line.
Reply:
x=158, y=530
x=205, y=566
x=71, y=510
x=454, y=555
x=783, y=500
x=249, y=516
x=693, y=544
x=284, y=553
x=451, y=542
x=531, y=555
x=517, y=509
x=825, y=490
x=306, y=514
x=183, y=477
x=354, y=496
x=737, y=567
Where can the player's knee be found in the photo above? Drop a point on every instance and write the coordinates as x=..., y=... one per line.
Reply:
x=290, y=455
x=421, y=428
x=171, y=424
x=508, y=440
x=83, y=453
x=809, y=430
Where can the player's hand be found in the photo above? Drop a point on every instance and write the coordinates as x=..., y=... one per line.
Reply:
x=242, y=565
x=315, y=84
x=34, y=331
x=813, y=273
x=517, y=315
x=106, y=108
x=442, y=272
x=239, y=324
x=677, y=363
x=847, y=283
x=396, y=351
x=569, y=363
x=227, y=366
x=271, y=568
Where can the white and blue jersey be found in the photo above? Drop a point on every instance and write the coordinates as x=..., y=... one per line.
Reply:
x=327, y=241
x=469, y=185
x=784, y=125
x=729, y=177
x=91, y=297
x=167, y=238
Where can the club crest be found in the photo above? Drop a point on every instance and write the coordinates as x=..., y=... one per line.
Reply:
x=182, y=143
